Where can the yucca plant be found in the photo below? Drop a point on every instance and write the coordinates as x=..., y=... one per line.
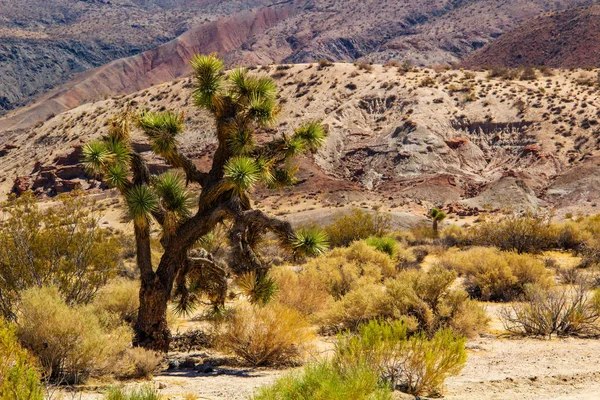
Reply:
x=436, y=215
x=241, y=104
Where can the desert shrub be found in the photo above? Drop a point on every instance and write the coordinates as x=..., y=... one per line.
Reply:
x=528, y=74
x=355, y=225
x=270, y=335
x=465, y=316
x=146, y=392
x=454, y=235
x=529, y=233
x=416, y=363
x=304, y=292
x=406, y=258
x=384, y=244
x=495, y=275
x=423, y=300
x=364, y=66
x=569, y=235
x=118, y=302
x=324, y=63
x=19, y=378
x=428, y=297
x=558, y=311
x=62, y=246
x=363, y=303
x=341, y=268
x=326, y=381
x=423, y=234
x=140, y=363
x=70, y=342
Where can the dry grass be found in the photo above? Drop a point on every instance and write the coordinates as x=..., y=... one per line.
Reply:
x=269, y=335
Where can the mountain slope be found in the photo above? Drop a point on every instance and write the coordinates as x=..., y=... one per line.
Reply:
x=561, y=39
x=161, y=64
x=45, y=43
x=453, y=137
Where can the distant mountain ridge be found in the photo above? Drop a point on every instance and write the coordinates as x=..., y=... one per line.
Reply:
x=561, y=39
x=46, y=43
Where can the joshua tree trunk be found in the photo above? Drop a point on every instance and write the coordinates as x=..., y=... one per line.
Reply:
x=435, y=227
x=151, y=329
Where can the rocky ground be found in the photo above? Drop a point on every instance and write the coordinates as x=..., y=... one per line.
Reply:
x=404, y=140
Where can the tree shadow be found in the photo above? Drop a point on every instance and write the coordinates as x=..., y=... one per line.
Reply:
x=191, y=373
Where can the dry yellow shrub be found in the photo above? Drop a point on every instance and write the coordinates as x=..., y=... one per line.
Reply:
x=303, y=292
x=70, y=342
x=269, y=335
x=497, y=275
x=341, y=268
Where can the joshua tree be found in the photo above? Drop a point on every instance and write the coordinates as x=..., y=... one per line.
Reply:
x=436, y=215
x=242, y=105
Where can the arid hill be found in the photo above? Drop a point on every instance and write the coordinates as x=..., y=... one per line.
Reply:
x=561, y=39
x=45, y=43
x=399, y=138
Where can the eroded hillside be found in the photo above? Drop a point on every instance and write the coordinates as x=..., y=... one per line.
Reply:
x=454, y=137
x=44, y=45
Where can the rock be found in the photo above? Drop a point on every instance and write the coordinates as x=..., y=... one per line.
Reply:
x=173, y=364
x=188, y=363
x=397, y=395
x=204, y=368
x=455, y=143
x=21, y=185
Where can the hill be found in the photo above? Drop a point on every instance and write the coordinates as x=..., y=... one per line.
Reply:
x=561, y=39
x=45, y=43
x=402, y=139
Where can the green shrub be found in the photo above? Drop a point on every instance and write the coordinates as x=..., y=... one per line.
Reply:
x=384, y=244
x=62, y=246
x=19, y=378
x=416, y=363
x=270, y=335
x=326, y=381
x=497, y=275
x=146, y=392
x=361, y=304
x=355, y=225
x=70, y=342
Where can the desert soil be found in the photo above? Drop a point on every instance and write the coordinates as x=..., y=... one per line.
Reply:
x=497, y=368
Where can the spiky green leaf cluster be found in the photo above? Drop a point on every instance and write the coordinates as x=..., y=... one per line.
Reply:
x=209, y=80
x=437, y=214
x=310, y=242
x=241, y=173
x=312, y=134
x=95, y=156
x=162, y=129
x=259, y=288
x=171, y=190
x=241, y=142
x=141, y=202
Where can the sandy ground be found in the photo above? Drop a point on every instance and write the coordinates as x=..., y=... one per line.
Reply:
x=497, y=368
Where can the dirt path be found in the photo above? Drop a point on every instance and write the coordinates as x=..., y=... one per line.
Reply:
x=529, y=369
x=497, y=369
